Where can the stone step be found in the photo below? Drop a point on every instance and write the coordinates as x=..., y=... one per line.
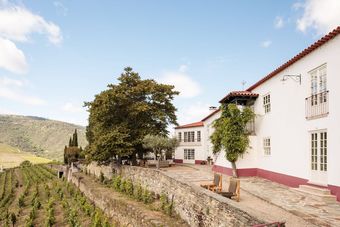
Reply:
x=317, y=190
x=315, y=194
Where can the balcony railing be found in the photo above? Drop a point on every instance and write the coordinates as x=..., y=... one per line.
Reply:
x=317, y=105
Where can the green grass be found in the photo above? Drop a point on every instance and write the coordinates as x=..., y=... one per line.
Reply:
x=11, y=157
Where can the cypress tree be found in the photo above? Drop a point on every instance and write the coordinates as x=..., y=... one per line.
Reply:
x=75, y=138
x=70, y=143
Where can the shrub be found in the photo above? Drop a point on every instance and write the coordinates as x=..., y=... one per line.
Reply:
x=25, y=163
x=21, y=202
x=129, y=188
x=122, y=186
x=117, y=182
x=138, y=192
x=147, y=198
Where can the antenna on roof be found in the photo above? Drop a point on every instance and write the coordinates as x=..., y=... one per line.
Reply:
x=243, y=83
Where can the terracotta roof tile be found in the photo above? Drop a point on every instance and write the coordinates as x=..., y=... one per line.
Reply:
x=192, y=125
x=297, y=57
x=238, y=94
x=211, y=114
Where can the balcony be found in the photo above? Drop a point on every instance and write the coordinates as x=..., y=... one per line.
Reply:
x=317, y=105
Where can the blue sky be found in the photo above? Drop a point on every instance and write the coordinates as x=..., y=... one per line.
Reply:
x=54, y=55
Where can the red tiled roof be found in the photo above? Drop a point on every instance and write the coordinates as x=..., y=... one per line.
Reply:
x=211, y=114
x=238, y=94
x=302, y=54
x=196, y=124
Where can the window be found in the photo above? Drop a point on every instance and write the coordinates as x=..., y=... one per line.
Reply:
x=266, y=103
x=319, y=151
x=189, y=154
x=319, y=85
x=191, y=136
x=198, y=136
x=266, y=146
x=185, y=136
x=179, y=136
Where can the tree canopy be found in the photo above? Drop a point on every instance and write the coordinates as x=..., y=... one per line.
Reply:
x=230, y=132
x=122, y=115
x=157, y=144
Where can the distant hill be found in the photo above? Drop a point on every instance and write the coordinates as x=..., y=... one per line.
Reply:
x=39, y=136
x=11, y=157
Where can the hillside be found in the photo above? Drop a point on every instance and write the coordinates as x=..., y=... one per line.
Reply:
x=39, y=136
x=11, y=157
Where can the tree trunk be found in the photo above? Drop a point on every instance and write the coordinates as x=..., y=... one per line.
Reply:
x=134, y=159
x=233, y=164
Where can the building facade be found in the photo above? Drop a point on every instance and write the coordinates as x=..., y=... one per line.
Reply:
x=295, y=131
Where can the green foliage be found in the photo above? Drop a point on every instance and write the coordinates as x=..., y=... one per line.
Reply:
x=116, y=182
x=21, y=202
x=121, y=116
x=159, y=143
x=13, y=218
x=129, y=188
x=122, y=186
x=25, y=164
x=230, y=132
x=138, y=192
x=166, y=204
x=146, y=196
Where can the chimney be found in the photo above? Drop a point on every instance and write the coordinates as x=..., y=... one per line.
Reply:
x=212, y=109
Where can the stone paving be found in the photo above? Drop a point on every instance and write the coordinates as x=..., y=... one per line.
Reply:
x=271, y=201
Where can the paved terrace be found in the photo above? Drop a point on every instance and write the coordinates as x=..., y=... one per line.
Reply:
x=271, y=201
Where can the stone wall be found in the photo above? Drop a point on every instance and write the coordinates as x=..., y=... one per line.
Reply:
x=123, y=211
x=195, y=205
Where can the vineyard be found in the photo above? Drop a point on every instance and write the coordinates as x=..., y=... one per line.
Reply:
x=32, y=195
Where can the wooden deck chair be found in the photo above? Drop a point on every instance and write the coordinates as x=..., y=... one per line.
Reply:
x=216, y=185
x=234, y=189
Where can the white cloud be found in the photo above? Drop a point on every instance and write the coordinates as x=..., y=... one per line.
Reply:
x=71, y=108
x=183, y=83
x=61, y=9
x=18, y=23
x=321, y=16
x=11, y=58
x=11, y=89
x=183, y=68
x=192, y=113
x=279, y=22
x=266, y=43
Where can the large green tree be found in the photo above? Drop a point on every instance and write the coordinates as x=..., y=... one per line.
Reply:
x=121, y=116
x=231, y=134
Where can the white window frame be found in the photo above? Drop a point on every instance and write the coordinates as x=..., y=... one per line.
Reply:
x=198, y=136
x=267, y=146
x=189, y=154
x=180, y=136
x=267, y=103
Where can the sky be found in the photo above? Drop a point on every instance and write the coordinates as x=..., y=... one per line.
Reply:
x=56, y=55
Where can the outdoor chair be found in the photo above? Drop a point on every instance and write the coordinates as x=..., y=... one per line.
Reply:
x=216, y=185
x=233, y=190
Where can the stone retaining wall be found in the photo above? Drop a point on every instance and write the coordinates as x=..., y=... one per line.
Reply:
x=195, y=205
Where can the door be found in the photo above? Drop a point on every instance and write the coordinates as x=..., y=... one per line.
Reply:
x=319, y=164
x=189, y=156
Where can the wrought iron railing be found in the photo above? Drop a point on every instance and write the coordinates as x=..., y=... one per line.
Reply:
x=317, y=105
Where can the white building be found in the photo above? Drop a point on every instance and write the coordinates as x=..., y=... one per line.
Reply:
x=194, y=146
x=296, y=138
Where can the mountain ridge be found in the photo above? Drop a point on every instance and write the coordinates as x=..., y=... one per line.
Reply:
x=39, y=136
